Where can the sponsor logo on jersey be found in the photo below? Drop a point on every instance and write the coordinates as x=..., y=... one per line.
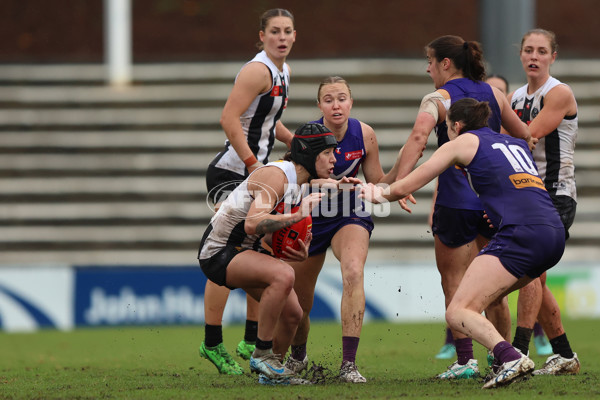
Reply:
x=277, y=91
x=526, y=180
x=352, y=155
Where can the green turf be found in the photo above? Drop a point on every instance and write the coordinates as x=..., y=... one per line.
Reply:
x=163, y=363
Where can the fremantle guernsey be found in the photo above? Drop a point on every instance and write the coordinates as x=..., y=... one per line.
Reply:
x=554, y=152
x=259, y=120
x=349, y=155
x=453, y=190
x=227, y=225
x=503, y=175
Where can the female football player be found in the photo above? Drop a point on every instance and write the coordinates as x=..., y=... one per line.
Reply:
x=251, y=121
x=460, y=231
x=530, y=238
x=231, y=254
x=549, y=107
x=345, y=227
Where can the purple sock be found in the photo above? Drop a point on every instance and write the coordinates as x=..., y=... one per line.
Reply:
x=349, y=346
x=299, y=352
x=505, y=352
x=449, y=337
x=537, y=330
x=464, y=350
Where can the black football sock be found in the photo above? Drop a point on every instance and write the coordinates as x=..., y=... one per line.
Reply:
x=262, y=347
x=560, y=345
x=522, y=339
x=251, y=331
x=213, y=335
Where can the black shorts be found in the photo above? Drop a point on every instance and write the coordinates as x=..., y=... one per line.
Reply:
x=215, y=267
x=566, y=208
x=220, y=182
x=456, y=227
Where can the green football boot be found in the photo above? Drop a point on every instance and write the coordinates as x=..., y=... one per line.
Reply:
x=245, y=349
x=219, y=356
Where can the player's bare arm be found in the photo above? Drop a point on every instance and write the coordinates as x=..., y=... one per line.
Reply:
x=252, y=80
x=558, y=103
x=459, y=151
x=431, y=112
x=283, y=134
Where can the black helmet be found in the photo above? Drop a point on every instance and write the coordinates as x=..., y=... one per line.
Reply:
x=311, y=139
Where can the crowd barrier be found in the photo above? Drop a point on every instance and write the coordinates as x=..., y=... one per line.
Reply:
x=66, y=297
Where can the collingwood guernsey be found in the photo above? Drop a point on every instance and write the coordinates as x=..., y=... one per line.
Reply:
x=259, y=120
x=553, y=154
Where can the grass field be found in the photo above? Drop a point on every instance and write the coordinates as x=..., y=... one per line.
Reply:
x=163, y=363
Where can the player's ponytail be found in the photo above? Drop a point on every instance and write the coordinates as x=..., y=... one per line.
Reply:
x=467, y=57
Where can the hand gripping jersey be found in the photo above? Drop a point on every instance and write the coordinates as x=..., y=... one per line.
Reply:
x=453, y=190
x=259, y=120
x=504, y=176
x=227, y=225
x=554, y=152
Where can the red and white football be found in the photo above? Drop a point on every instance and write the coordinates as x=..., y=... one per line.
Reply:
x=288, y=237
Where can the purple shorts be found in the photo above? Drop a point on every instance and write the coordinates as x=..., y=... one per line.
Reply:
x=456, y=227
x=324, y=229
x=527, y=249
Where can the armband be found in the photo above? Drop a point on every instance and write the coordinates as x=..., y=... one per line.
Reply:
x=429, y=104
x=250, y=161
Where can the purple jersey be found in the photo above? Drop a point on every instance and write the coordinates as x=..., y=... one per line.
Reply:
x=504, y=176
x=349, y=155
x=453, y=190
x=350, y=152
x=344, y=207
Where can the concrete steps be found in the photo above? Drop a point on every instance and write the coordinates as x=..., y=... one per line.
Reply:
x=92, y=174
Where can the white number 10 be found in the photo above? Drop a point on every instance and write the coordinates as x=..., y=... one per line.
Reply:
x=517, y=157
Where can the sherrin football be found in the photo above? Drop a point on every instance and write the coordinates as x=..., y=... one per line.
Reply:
x=288, y=237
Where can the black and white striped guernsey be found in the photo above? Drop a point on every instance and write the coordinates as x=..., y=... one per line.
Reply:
x=259, y=120
x=554, y=153
x=227, y=225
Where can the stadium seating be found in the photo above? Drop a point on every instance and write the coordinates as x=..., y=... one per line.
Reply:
x=91, y=174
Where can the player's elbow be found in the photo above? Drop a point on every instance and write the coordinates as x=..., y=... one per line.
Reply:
x=224, y=122
x=227, y=121
x=419, y=137
x=250, y=227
